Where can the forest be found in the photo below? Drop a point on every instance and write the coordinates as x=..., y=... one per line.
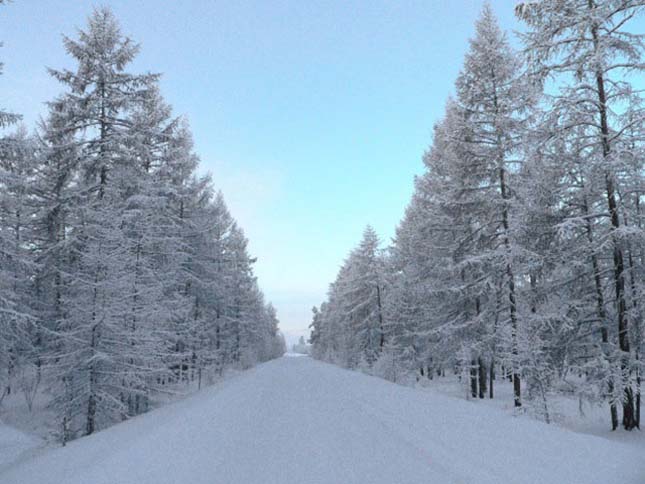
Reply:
x=457, y=186
x=122, y=271
x=521, y=255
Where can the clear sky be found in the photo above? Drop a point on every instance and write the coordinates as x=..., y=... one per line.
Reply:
x=311, y=115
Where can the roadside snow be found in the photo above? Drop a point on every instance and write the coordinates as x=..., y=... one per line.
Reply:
x=296, y=420
x=565, y=411
x=15, y=445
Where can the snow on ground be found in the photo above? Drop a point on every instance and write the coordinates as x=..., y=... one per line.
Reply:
x=296, y=420
x=23, y=433
x=16, y=445
x=564, y=411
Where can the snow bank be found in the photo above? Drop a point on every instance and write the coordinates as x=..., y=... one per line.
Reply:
x=14, y=445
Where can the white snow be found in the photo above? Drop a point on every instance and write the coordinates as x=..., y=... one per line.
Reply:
x=15, y=445
x=296, y=420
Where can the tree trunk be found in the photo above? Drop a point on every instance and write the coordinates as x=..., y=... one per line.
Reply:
x=602, y=314
x=629, y=421
x=90, y=424
x=482, y=378
x=637, y=330
x=473, y=378
x=491, y=379
x=517, y=388
x=380, y=316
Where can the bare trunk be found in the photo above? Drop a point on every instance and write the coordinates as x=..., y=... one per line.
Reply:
x=380, y=316
x=619, y=265
x=517, y=389
x=90, y=425
x=637, y=333
x=473, y=378
x=482, y=378
x=491, y=379
x=602, y=315
x=512, y=300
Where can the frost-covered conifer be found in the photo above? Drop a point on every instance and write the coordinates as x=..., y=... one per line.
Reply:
x=588, y=45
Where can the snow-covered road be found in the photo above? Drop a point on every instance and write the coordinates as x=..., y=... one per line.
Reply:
x=295, y=420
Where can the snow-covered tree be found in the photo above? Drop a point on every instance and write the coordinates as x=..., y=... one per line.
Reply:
x=18, y=332
x=350, y=327
x=588, y=47
x=142, y=276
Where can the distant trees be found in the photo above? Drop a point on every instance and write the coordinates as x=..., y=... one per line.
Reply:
x=354, y=333
x=520, y=254
x=301, y=347
x=121, y=269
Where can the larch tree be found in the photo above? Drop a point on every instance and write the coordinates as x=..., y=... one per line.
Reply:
x=122, y=272
x=492, y=102
x=18, y=331
x=13, y=173
x=587, y=44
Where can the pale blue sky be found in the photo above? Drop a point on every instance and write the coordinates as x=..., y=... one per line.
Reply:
x=311, y=115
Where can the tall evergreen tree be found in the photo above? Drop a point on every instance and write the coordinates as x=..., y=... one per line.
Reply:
x=121, y=271
x=589, y=44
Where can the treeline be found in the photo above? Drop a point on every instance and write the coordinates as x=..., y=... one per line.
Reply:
x=121, y=269
x=521, y=253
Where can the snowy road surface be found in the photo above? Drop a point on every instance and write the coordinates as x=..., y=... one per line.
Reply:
x=295, y=420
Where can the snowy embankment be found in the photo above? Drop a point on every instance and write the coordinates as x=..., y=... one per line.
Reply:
x=16, y=445
x=296, y=420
